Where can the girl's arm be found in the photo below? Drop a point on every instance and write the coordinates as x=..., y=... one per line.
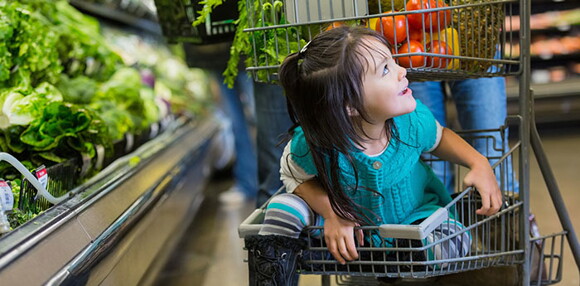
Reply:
x=454, y=149
x=338, y=233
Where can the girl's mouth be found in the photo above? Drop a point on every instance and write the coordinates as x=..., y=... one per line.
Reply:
x=406, y=91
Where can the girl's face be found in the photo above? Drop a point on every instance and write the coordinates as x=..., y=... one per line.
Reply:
x=385, y=85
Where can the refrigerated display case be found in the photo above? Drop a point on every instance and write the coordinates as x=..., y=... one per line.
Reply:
x=119, y=225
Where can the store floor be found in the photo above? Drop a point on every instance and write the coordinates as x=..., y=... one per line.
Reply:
x=210, y=253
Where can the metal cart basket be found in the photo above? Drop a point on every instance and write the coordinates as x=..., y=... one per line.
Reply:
x=479, y=33
x=486, y=38
x=496, y=240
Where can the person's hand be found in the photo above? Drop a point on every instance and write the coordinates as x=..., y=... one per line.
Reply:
x=338, y=234
x=482, y=178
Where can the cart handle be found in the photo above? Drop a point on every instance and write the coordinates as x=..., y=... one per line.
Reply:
x=40, y=190
x=418, y=231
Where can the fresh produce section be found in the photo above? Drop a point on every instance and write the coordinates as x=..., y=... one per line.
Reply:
x=115, y=129
x=71, y=91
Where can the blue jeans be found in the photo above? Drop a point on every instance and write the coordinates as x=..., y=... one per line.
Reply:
x=245, y=166
x=272, y=122
x=481, y=104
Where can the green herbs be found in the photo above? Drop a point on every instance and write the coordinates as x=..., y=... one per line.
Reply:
x=18, y=217
x=263, y=48
x=29, y=52
x=208, y=6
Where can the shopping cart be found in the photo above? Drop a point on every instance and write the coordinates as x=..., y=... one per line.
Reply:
x=486, y=40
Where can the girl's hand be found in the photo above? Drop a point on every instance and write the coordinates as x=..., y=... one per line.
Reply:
x=482, y=178
x=338, y=235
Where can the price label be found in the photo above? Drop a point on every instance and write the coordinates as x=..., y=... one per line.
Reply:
x=6, y=196
x=42, y=176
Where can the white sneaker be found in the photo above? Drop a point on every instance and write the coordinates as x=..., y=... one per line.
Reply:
x=233, y=196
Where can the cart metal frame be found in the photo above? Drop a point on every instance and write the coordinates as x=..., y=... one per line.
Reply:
x=265, y=64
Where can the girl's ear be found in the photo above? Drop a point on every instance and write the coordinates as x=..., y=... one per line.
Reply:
x=351, y=111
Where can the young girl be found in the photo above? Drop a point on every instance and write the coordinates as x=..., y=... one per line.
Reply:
x=354, y=157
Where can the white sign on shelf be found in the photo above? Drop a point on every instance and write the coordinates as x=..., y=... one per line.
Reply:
x=6, y=196
x=306, y=11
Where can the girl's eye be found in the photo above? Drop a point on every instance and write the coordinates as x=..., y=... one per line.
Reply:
x=385, y=70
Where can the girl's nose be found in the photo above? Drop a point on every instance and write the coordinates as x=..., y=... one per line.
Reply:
x=402, y=72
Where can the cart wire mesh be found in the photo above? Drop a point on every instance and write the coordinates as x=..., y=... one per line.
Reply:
x=481, y=35
x=495, y=240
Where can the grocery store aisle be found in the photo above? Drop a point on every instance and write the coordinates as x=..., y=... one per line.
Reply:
x=211, y=253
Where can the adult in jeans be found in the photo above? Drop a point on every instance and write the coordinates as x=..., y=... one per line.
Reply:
x=481, y=104
x=213, y=58
x=272, y=122
x=245, y=167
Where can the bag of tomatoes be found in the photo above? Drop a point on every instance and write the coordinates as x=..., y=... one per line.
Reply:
x=420, y=38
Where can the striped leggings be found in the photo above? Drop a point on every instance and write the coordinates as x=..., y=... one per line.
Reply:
x=288, y=215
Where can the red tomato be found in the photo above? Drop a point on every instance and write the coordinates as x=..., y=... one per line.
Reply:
x=434, y=21
x=414, y=61
x=394, y=28
x=416, y=35
x=438, y=47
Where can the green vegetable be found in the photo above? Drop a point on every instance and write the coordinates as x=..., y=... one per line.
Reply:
x=12, y=139
x=59, y=120
x=78, y=90
x=15, y=186
x=31, y=45
x=30, y=107
x=7, y=99
x=273, y=45
x=118, y=121
x=6, y=32
x=124, y=89
x=20, y=105
x=18, y=217
x=208, y=6
x=42, y=39
x=240, y=46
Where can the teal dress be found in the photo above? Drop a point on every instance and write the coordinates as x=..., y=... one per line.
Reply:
x=409, y=190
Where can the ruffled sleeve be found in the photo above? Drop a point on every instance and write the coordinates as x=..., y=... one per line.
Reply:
x=291, y=174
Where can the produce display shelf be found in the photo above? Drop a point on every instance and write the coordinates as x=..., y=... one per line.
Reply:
x=116, y=228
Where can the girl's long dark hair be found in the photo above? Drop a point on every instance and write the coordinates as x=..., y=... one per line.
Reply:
x=324, y=86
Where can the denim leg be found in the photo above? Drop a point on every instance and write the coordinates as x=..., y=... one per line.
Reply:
x=481, y=104
x=245, y=166
x=272, y=122
x=431, y=94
